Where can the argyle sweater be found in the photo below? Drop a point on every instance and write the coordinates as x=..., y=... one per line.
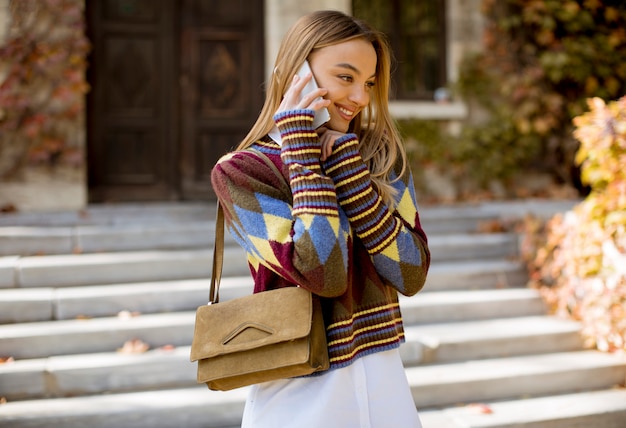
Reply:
x=324, y=227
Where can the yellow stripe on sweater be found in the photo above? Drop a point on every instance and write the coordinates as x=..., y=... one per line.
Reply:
x=342, y=164
x=366, y=345
x=361, y=313
x=386, y=242
x=353, y=178
x=363, y=330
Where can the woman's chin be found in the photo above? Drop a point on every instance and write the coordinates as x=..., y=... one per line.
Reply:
x=339, y=127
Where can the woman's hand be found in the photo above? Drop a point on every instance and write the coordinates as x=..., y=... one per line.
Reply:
x=327, y=138
x=294, y=99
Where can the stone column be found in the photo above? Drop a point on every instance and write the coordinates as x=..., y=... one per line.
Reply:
x=281, y=14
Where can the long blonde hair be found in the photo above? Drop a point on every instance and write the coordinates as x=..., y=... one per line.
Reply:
x=379, y=141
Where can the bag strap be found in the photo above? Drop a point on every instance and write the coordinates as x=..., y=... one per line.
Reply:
x=218, y=245
x=218, y=256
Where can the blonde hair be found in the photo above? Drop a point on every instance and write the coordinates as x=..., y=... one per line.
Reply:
x=379, y=141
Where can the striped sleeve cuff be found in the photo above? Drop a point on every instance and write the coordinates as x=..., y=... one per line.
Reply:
x=313, y=193
x=300, y=142
x=369, y=216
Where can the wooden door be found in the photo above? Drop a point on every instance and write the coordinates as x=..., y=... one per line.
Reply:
x=221, y=83
x=175, y=84
x=132, y=139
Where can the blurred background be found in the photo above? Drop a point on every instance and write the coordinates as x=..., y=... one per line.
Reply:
x=134, y=100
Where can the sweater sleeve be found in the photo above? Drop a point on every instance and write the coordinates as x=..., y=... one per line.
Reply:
x=394, y=239
x=303, y=239
x=313, y=192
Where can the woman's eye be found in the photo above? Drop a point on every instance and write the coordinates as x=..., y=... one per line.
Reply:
x=370, y=84
x=346, y=78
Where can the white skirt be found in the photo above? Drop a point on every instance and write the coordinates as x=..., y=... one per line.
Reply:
x=372, y=392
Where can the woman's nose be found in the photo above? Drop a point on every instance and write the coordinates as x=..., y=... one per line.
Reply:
x=360, y=96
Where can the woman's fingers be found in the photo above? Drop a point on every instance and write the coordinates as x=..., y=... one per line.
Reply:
x=295, y=99
x=327, y=141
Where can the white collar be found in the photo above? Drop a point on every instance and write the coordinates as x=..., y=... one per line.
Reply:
x=275, y=135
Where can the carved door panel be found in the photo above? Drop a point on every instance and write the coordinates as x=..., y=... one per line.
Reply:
x=221, y=84
x=132, y=139
x=175, y=84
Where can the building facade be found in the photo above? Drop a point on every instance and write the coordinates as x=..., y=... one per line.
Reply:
x=175, y=84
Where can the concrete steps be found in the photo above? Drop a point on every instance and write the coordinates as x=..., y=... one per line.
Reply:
x=601, y=409
x=518, y=376
x=198, y=407
x=67, y=270
x=74, y=287
x=40, y=339
x=491, y=338
x=50, y=353
x=59, y=302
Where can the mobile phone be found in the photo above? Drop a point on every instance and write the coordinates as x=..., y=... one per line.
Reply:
x=321, y=116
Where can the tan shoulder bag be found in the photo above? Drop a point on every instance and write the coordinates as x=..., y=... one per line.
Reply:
x=266, y=336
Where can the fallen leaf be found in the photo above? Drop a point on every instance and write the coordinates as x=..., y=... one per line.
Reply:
x=133, y=346
x=83, y=317
x=8, y=208
x=128, y=314
x=3, y=400
x=168, y=348
x=6, y=360
x=491, y=226
x=480, y=408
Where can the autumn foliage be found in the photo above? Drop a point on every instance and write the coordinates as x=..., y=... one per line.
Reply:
x=541, y=60
x=578, y=259
x=42, y=84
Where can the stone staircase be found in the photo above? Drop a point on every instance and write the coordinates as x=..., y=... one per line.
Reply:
x=76, y=287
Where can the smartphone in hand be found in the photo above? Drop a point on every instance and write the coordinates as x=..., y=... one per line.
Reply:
x=321, y=116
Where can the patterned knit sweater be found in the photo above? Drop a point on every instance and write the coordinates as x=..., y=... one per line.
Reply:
x=324, y=227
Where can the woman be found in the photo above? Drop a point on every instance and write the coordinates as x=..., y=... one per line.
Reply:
x=342, y=222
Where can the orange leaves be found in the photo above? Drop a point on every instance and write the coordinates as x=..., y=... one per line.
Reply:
x=134, y=346
x=128, y=314
x=480, y=408
x=602, y=136
x=541, y=60
x=5, y=360
x=138, y=346
x=43, y=81
x=579, y=260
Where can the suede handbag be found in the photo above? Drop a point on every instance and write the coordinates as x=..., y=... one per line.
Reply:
x=271, y=335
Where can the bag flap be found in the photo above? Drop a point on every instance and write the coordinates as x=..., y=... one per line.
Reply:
x=248, y=322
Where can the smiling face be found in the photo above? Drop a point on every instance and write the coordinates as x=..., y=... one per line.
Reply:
x=348, y=71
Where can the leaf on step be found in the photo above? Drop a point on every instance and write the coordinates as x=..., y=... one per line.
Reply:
x=77, y=250
x=167, y=348
x=128, y=314
x=83, y=317
x=133, y=346
x=6, y=360
x=8, y=208
x=492, y=226
x=3, y=400
x=480, y=408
